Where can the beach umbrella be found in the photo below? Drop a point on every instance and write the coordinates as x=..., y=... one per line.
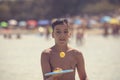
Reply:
x=12, y=22
x=78, y=22
x=3, y=24
x=114, y=21
x=43, y=22
x=32, y=23
x=22, y=23
x=105, y=19
x=92, y=22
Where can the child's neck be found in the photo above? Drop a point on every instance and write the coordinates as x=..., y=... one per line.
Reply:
x=61, y=48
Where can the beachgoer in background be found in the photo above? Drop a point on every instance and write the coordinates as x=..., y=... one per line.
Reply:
x=106, y=29
x=115, y=29
x=48, y=31
x=80, y=35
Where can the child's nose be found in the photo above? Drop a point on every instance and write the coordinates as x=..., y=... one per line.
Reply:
x=62, y=34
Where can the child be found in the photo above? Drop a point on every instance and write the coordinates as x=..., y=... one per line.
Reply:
x=61, y=55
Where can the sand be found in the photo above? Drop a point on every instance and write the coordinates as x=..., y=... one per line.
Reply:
x=20, y=58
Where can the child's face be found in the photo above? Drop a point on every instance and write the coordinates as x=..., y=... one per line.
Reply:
x=61, y=34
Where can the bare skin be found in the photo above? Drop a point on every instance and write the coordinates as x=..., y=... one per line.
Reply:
x=73, y=59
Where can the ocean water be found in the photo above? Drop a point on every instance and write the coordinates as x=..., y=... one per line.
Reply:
x=20, y=58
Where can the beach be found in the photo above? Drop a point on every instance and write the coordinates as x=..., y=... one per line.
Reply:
x=20, y=58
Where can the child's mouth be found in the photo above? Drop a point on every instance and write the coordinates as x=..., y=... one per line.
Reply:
x=62, y=39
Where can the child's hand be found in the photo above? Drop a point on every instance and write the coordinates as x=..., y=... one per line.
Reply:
x=57, y=69
x=57, y=75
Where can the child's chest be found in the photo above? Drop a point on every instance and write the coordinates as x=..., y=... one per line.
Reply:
x=66, y=62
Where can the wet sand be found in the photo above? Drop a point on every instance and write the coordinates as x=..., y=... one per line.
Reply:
x=20, y=58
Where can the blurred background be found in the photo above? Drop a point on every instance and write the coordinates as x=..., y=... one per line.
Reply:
x=25, y=31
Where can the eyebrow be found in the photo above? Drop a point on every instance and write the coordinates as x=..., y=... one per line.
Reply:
x=59, y=29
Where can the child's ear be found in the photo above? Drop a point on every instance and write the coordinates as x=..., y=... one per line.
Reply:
x=70, y=34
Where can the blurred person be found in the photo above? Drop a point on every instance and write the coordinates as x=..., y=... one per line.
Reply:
x=13, y=25
x=4, y=27
x=115, y=29
x=6, y=30
x=106, y=29
x=61, y=56
x=79, y=37
x=80, y=33
x=18, y=33
x=41, y=30
x=48, y=31
x=7, y=33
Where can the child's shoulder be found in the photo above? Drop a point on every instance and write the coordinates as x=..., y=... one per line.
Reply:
x=47, y=51
x=75, y=52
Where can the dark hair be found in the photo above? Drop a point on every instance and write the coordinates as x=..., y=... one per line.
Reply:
x=59, y=22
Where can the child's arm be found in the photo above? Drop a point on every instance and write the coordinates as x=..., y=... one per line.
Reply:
x=81, y=66
x=45, y=65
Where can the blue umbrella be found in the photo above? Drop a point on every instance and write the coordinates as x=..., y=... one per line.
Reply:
x=105, y=19
x=78, y=22
x=22, y=23
x=43, y=22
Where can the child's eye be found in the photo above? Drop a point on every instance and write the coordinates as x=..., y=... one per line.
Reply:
x=58, y=31
x=65, y=31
